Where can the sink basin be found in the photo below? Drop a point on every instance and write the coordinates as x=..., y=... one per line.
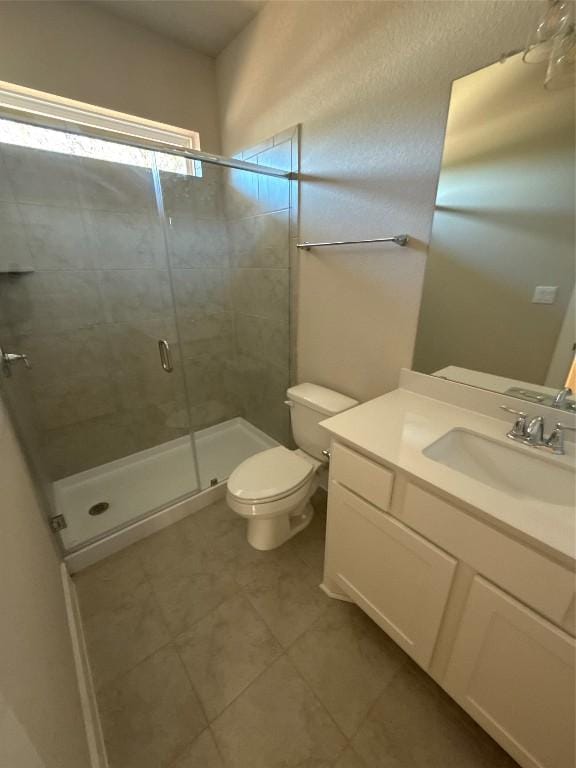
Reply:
x=519, y=472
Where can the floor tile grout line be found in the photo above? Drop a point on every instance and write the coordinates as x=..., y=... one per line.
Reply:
x=189, y=677
x=175, y=645
x=326, y=608
x=120, y=675
x=182, y=754
x=198, y=699
x=283, y=646
x=154, y=595
x=150, y=580
x=321, y=704
x=248, y=685
x=247, y=688
x=284, y=653
x=403, y=664
x=191, y=626
x=172, y=642
x=225, y=762
x=118, y=678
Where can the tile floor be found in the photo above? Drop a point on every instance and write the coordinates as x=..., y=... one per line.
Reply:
x=208, y=654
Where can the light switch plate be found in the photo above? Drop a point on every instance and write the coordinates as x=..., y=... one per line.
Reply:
x=545, y=294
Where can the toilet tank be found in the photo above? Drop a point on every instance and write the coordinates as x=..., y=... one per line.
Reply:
x=309, y=405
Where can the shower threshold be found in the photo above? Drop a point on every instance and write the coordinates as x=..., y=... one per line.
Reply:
x=143, y=482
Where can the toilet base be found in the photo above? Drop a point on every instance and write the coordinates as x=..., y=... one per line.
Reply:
x=272, y=532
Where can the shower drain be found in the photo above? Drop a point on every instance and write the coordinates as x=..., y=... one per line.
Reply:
x=97, y=509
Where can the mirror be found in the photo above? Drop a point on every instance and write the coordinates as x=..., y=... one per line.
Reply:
x=498, y=307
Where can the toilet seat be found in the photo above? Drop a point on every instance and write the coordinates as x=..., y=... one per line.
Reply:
x=270, y=476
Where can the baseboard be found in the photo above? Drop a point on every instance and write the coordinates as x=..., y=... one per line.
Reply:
x=94, y=735
x=335, y=595
x=141, y=529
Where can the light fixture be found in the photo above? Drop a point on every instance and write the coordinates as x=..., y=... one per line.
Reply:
x=554, y=42
x=562, y=62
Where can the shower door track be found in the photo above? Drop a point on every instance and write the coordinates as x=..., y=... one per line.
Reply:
x=153, y=146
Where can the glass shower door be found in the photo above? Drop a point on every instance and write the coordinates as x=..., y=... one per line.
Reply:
x=86, y=293
x=228, y=243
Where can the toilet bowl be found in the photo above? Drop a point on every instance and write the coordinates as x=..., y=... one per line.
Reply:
x=272, y=489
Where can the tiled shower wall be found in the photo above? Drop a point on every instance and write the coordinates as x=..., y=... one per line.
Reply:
x=17, y=393
x=261, y=213
x=230, y=255
x=90, y=314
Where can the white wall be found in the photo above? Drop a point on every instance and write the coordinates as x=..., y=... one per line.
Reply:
x=83, y=52
x=40, y=719
x=370, y=83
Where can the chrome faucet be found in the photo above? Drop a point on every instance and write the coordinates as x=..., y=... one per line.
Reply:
x=560, y=397
x=532, y=432
x=524, y=431
x=535, y=432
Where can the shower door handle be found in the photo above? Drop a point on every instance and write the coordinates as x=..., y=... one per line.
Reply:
x=165, y=355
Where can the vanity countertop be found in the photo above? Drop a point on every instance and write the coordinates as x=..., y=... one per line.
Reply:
x=395, y=428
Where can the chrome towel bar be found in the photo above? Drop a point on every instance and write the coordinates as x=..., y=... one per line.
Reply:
x=401, y=240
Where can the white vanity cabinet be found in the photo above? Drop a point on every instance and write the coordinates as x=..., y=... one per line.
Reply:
x=488, y=616
x=513, y=672
x=401, y=580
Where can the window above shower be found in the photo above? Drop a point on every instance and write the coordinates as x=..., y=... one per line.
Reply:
x=62, y=114
x=35, y=137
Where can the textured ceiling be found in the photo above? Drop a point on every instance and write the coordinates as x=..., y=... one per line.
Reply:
x=205, y=25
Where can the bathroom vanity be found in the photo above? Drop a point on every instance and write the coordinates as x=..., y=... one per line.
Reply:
x=461, y=545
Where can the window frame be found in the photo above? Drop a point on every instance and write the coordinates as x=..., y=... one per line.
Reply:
x=59, y=108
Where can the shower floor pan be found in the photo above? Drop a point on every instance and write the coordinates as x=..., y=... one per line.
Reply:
x=138, y=484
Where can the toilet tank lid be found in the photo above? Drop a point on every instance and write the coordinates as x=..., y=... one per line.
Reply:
x=320, y=399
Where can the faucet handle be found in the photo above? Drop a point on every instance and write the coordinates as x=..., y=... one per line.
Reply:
x=561, y=426
x=520, y=428
x=516, y=413
x=556, y=438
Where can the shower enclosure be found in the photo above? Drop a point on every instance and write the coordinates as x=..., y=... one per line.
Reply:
x=150, y=294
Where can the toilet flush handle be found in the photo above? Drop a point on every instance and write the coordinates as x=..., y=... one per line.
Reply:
x=289, y=403
x=327, y=454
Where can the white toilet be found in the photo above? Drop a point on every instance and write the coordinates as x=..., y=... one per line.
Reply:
x=272, y=489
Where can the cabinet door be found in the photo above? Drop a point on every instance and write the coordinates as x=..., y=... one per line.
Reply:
x=400, y=579
x=514, y=673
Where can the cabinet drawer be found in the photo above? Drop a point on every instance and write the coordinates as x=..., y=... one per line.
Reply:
x=514, y=673
x=401, y=580
x=361, y=475
x=531, y=577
